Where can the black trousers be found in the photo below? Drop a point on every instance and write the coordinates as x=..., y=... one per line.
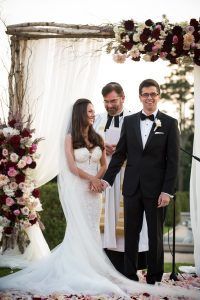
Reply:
x=117, y=259
x=134, y=207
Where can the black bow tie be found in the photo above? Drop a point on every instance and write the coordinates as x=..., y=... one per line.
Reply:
x=116, y=121
x=144, y=117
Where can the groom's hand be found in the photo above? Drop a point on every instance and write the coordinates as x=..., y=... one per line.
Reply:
x=163, y=200
x=110, y=149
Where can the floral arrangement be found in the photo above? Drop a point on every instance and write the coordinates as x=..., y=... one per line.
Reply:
x=153, y=40
x=19, y=199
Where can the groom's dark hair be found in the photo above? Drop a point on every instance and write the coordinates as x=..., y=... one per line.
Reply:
x=148, y=83
x=112, y=86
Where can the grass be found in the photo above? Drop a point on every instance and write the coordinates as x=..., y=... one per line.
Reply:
x=7, y=271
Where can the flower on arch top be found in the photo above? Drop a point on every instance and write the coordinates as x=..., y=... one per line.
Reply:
x=152, y=40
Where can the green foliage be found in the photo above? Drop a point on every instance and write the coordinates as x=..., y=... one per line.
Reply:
x=183, y=199
x=52, y=215
x=182, y=205
x=7, y=271
x=178, y=89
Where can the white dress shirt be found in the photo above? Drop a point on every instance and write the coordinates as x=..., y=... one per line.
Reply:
x=145, y=127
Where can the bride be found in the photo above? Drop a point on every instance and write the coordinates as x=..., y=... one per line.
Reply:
x=78, y=265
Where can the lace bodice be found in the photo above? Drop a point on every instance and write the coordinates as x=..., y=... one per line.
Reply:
x=88, y=160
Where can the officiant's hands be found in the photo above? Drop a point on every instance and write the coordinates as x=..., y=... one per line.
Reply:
x=110, y=149
x=163, y=200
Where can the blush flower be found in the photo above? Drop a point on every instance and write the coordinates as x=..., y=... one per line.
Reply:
x=25, y=210
x=12, y=172
x=119, y=58
x=21, y=164
x=5, y=152
x=188, y=40
x=9, y=201
x=3, y=180
x=13, y=185
x=16, y=212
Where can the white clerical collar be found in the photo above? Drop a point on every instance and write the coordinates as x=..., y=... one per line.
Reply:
x=154, y=113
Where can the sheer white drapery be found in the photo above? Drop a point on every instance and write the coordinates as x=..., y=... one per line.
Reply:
x=195, y=173
x=56, y=72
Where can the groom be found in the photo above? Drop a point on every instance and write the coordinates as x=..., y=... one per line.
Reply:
x=150, y=143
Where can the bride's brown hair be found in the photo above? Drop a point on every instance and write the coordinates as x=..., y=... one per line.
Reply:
x=79, y=122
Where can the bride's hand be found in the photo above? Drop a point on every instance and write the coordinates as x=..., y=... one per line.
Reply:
x=96, y=185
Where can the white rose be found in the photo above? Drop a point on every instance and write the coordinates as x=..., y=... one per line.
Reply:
x=8, y=191
x=136, y=37
x=21, y=164
x=9, y=131
x=3, y=180
x=14, y=157
x=147, y=57
x=25, y=210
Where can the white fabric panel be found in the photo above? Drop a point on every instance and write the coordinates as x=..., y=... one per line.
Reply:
x=195, y=173
x=57, y=73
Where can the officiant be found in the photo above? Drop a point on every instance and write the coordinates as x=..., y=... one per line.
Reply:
x=108, y=125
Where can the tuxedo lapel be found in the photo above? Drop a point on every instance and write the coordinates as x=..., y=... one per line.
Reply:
x=138, y=131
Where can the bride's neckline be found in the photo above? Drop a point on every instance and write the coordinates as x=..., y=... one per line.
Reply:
x=89, y=150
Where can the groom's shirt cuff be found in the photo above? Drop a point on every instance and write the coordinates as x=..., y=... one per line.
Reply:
x=171, y=196
x=106, y=182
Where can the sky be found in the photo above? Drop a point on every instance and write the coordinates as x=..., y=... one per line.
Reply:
x=130, y=74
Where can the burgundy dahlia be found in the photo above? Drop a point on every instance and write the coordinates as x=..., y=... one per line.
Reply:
x=12, y=123
x=155, y=33
x=32, y=165
x=177, y=30
x=149, y=22
x=8, y=230
x=25, y=133
x=194, y=23
x=19, y=178
x=129, y=25
x=15, y=141
x=36, y=193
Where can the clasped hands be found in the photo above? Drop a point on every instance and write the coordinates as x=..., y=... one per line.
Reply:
x=97, y=185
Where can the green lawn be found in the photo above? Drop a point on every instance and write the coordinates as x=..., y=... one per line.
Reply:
x=6, y=271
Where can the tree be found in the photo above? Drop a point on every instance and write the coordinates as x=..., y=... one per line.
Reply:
x=179, y=90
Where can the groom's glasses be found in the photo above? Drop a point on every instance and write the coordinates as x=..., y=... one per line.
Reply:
x=152, y=95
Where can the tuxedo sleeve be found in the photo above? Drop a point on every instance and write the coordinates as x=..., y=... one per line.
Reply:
x=172, y=157
x=118, y=157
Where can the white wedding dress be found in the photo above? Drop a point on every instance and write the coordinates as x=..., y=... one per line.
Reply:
x=78, y=265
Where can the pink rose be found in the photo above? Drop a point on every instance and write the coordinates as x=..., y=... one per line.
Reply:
x=33, y=148
x=32, y=216
x=28, y=160
x=5, y=152
x=12, y=172
x=158, y=26
x=175, y=39
x=9, y=201
x=163, y=54
x=155, y=48
x=21, y=201
x=16, y=212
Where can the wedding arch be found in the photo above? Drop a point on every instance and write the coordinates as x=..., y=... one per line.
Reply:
x=37, y=89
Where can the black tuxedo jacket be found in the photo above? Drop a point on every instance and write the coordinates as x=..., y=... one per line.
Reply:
x=155, y=167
